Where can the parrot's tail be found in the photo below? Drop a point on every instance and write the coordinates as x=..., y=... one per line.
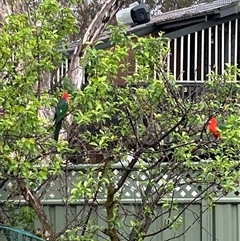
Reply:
x=57, y=130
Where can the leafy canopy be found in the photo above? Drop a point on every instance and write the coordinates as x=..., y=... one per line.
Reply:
x=146, y=123
x=156, y=125
x=30, y=45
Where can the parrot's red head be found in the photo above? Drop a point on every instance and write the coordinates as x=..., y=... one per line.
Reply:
x=212, y=121
x=213, y=127
x=65, y=96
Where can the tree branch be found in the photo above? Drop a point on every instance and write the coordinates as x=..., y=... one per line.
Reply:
x=128, y=170
x=37, y=206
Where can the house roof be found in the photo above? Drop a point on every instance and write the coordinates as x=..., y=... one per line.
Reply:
x=217, y=7
x=181, y=17
x=192, y=11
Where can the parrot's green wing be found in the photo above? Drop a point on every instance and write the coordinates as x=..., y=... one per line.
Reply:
x=68, y=86
x=61, y=110
x=222, y=127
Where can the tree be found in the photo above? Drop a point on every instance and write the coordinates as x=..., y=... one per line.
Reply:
x=32, y=50
x=164, y=133
x=145, y=126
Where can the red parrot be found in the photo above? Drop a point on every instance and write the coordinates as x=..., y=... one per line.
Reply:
x=213, y=127
x=60, y=112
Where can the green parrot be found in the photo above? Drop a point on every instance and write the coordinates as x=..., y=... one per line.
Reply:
x=60, y=112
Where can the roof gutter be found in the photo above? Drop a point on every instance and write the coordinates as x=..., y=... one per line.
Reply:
x=197, y=27
x=229, y=10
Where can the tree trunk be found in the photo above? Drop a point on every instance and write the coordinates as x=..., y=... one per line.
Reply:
x=110, y=206
x=9, y=7
x=94, y=30
x=38, y=207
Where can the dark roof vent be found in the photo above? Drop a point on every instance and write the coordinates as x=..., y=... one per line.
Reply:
x=135, y=14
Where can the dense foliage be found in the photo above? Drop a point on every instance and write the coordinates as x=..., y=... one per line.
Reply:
x=143, y=136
